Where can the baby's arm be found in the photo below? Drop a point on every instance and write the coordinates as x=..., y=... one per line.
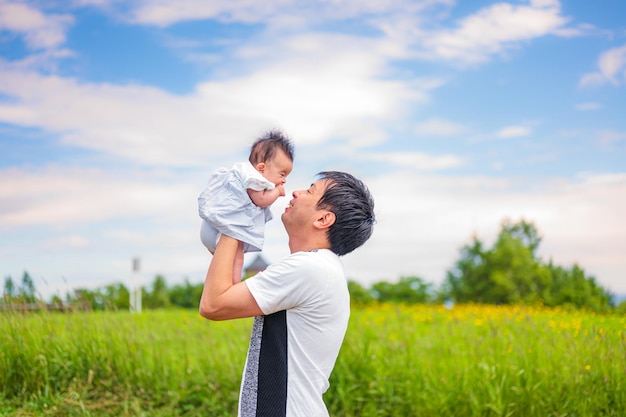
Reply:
x=265, y=198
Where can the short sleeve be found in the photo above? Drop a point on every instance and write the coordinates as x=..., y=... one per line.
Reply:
x=251, y=178
x=296, y=281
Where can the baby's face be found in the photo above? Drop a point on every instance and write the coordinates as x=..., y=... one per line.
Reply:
x=277, y=169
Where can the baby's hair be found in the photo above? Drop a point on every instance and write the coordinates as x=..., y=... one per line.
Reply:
x=264, y=148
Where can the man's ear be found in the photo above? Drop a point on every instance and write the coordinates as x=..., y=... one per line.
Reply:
x=325, y=220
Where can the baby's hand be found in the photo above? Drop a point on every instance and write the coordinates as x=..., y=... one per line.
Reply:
x=266, y=198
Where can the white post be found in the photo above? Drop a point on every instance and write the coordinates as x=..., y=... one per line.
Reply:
x=135, y=290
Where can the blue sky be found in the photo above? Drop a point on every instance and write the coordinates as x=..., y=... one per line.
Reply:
x=456, y=114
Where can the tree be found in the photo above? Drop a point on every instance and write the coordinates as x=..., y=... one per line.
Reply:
x=466, y=281
x=9, y=288
x=511, y=272
x=507, y=273
x=116, y=297
x=408, y=290
x=514, y=273
x=573, y=288
x=86, y=299
x=523, y=231
x=27, y=290
x=56, y=301
x=158, y=297
x=186, y=295
x=359, y=295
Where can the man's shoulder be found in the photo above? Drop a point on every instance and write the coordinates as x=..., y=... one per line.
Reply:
x=300, y=279
x=313, y=261
x=317, y=265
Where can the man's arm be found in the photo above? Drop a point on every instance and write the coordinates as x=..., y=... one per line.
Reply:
x=221, y=300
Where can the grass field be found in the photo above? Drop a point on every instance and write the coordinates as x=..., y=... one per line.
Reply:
x=395, y=361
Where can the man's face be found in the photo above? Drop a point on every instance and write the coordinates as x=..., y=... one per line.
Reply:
x=302, y=210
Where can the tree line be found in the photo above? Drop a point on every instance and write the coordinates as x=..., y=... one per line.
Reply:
x=110, y=297
x=510, y=272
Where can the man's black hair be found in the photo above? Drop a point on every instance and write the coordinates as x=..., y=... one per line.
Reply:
x=351, y=202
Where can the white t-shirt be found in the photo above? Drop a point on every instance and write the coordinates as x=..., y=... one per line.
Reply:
x=294, y=346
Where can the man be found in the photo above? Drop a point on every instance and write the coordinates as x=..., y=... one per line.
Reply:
x=301, y=304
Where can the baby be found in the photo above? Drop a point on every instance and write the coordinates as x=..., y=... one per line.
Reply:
x=236, y=201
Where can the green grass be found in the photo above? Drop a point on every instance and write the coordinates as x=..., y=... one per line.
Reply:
x=481, y=361
x=395, y=361
x=120, y=364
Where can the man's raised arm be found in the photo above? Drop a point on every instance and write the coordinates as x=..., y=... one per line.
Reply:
x=221, y=300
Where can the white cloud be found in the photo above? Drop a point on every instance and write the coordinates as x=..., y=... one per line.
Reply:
x=495, y=29
x=40, y=31
x=165, y=13
x=317, y=87
x=545, y=3
x=592, y=79
x=589, y=106
x=46, y=60
x=62, y=196
x=99, y=3
x=286, y=13
x=67, y=243
x=612, y=65
x=610, y=137
x=477, y=37
x=423, y=220
x=513, y=132
x=417, y=160
x=611, y=69
x=310, y=90
x=438, y=127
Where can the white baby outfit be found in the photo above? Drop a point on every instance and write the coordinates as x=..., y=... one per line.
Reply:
x=226, y=208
